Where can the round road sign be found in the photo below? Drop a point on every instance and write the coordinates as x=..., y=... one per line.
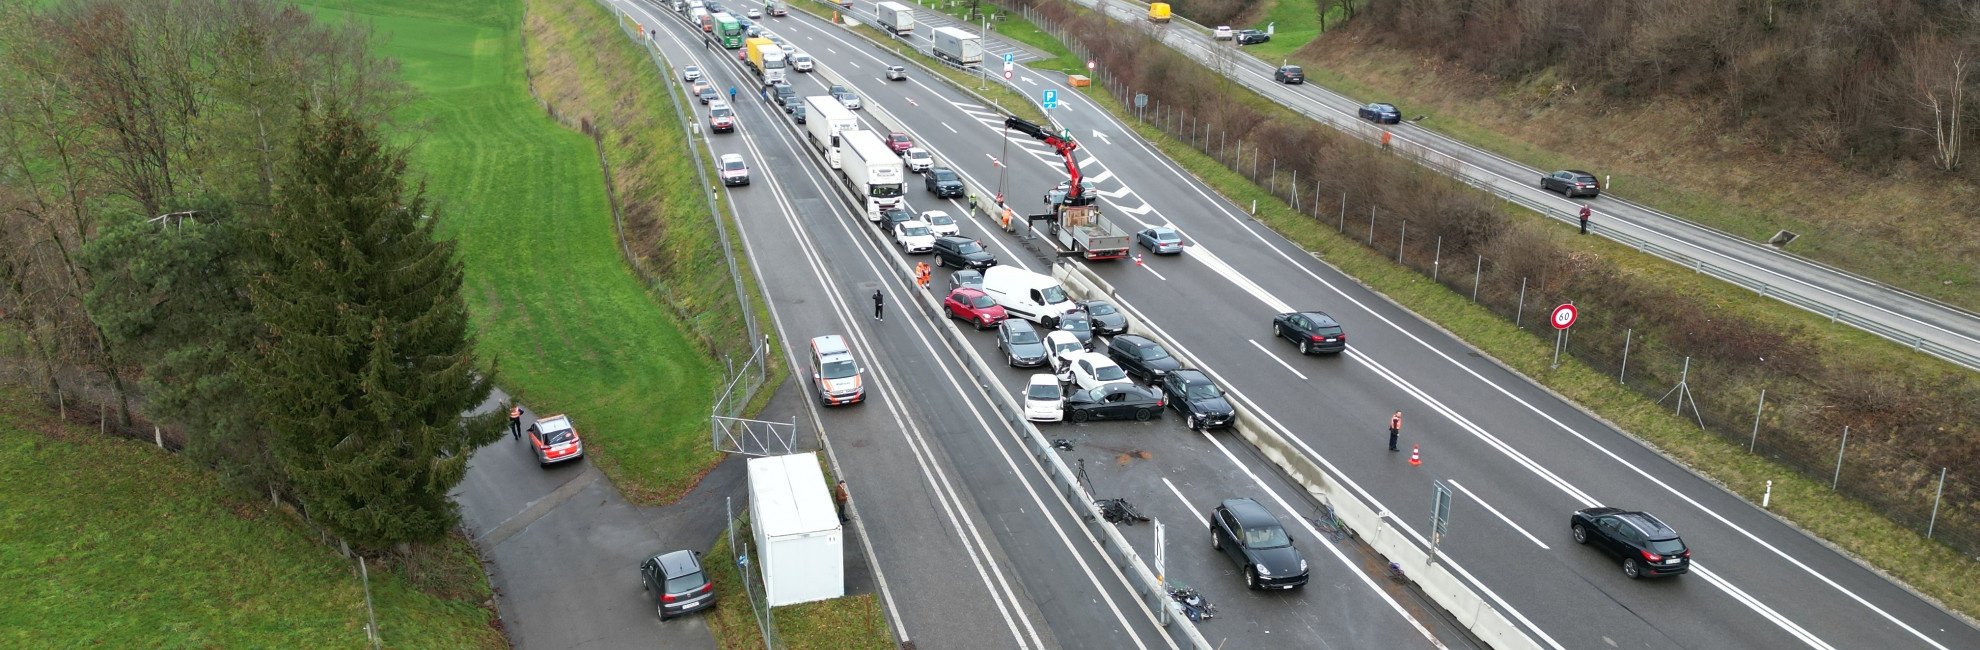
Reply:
x=1564, y=317
x=1007, y=74
x=1089, y=65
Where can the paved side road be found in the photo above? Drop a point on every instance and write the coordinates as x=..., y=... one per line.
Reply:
x=563, y=547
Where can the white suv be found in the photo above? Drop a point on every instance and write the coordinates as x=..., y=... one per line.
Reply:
x=913, y=236
x=1092, y=370
x=940, y=224
x=918, y=160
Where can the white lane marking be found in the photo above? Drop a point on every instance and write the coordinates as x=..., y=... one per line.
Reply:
x=1185, y=501
x=1101, y=177
x=1158, y=275
x=1757, y=606
x=1495, y=512
x=1352, y=566
x=1274, y=357
x=951, y=128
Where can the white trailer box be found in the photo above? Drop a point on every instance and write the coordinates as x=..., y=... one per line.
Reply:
x=825, y=119
x=799, y=543
x=895, y=17
x=872, y=171
x=957, y=46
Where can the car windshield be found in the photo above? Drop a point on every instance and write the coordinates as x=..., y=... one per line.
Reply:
x=1023, y=336
x=944, y=175
x=1154, y=353
x=1042, y=391
x=732, y=164
x=1100, y=309
x=1204, y=391
x=1053, y=294
x=1108, y=372
x=1075, y=323
x=557, y=437
x=1266, y=537
x=1584, y=179
x=722, y=112
x=941, y=220
x=1666, y=546
x=982, y=302
x=693, y=71
x=840, y=369
x=684, y=583
x=915, y=231
x=967, y=247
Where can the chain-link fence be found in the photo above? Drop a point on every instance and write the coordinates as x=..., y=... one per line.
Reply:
x=738, y=537
x=1870, y=465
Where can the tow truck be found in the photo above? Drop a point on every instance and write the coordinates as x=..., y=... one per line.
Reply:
x=1076, y=221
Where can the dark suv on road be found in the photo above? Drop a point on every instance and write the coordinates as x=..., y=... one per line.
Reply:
x=943, y=182
x=963, y=253
x=676, y=583
x=1251, y=36
x=1253, y=539
x=1648, y=547
x=1289, y=74
x=1571, y=182
x=1198, y=399
x=1141, y=357
x=1314, y=331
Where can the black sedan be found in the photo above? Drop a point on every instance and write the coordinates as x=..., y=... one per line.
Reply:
x=1572, y=183
x=1198, y=399
x=1380, y=113
x=1141, y=357
x=1253, y=538
x=1251, y=36
x=797, y=113
x=1107, y=319
x=943, y=182
x=707, y=94
x=1119, y=401
x=1648, y=547
x=1022, y=345
x=1314, y=331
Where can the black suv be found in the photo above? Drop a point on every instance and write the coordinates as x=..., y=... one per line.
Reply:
x=676, y=583
x=943, y=182
x=1251, y=36
x=1198, y=399
x=1571, y=182
x=786, y=96
x=1141, y=357
x=1647, y=546
x=1314, y=331
x=1289, y=74
x=962, y=253
x=1253, y=539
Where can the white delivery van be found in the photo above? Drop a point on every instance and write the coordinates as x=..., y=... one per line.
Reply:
x=1031, y=296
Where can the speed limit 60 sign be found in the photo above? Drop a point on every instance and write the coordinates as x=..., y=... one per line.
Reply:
x=1564, y=317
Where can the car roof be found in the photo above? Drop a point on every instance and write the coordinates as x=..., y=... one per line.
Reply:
x=1383, y=105
x=1651, y=526
x=914, y=222
x=955, y=239
x=830, y=344
x=1189, y=376
x=731, y=156
x=1577, y=172
x=1319, y=316
x=1017, y=325
x=1068, y=336
x=1043, y=379
x=1249, y=512
x=553, y=423
x=967, y=291
x=677, y=563
x=1094, y=357
x=1135, y=340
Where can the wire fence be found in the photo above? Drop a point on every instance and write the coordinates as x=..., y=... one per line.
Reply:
x=738, y=537
x=1728, y=401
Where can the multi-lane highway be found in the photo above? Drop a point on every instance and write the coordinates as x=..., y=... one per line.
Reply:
x=1929, y=325
x=972, y=545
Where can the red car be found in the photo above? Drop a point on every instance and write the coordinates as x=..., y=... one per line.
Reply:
x=555, y=440
x=974, y=306
x=899, y=142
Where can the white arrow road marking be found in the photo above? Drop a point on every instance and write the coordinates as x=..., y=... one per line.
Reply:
x=1114, y=194
x=1140, y=210
x=1029, y=81
x=1101, y=177
x=1101, y=136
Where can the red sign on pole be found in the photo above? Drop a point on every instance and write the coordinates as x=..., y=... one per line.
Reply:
x=1564, y=317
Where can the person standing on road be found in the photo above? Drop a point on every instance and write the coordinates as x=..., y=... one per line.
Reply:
x=879, y=303
x=840, y=497
x=732, y=94
x=1395, y=429
x=1585, y=214
x=515, y=421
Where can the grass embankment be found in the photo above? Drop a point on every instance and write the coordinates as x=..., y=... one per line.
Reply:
x=1294, y=24
x=1002, y=97
x=569, y=325
x=113, y=543
x=847, y=623
x=1888, y=224
x=1932, y=568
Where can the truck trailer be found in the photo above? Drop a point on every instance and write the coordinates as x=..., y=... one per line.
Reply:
x=895, y=17
x=765, y=59
x=872, y=171
x=959, y=47
x=826, y=118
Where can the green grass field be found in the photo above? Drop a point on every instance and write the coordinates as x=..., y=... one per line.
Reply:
x=569, y=325
x=114, y=543
x=1295, y=23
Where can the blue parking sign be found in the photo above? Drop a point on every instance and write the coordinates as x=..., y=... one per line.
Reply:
x=1009, y=57
x=1051, y=99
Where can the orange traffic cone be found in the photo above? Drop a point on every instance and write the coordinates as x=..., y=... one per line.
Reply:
x=1415, y=456
x=1137, y=260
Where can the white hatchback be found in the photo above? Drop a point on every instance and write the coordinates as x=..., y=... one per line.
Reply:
x=1092, y=370
x=1044, y=400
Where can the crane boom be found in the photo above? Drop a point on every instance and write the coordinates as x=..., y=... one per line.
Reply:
x=1075, y=194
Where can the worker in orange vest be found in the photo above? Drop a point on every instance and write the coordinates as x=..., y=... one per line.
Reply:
x=921, y=274
x=1395, y=429
x=515, y=421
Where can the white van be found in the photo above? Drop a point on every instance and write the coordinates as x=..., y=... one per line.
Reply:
x=834, y=372
x=1031, y=296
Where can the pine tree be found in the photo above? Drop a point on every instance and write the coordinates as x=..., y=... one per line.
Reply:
x=367, y=363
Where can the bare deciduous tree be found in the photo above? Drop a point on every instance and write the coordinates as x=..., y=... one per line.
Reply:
x=1937, y=70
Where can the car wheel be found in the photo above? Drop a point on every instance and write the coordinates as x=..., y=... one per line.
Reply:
x=1278, y=331
x=1078, y=416
x=1580, y=534
x=1215, y=541
x=1305, y=347
x=1141, y=415
x=1251, y=579
x=1195, y=423
x=1011, y=360
x=978, y=324
x=1632, y=569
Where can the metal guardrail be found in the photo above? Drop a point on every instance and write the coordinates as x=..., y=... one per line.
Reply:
x=1470, y=174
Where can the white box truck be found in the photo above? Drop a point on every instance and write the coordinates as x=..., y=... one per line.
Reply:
x=872, y=171
x=825, y=118
x=895, y=17
x=959, y=47
x=799, y=542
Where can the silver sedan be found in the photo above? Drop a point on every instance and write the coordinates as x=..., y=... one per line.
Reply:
x=1163, y=240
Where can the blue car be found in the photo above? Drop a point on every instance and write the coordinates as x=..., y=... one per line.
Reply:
x=1381, y=113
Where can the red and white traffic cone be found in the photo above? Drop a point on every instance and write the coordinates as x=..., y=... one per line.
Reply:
x=1137, y=260
x=1415, y=456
